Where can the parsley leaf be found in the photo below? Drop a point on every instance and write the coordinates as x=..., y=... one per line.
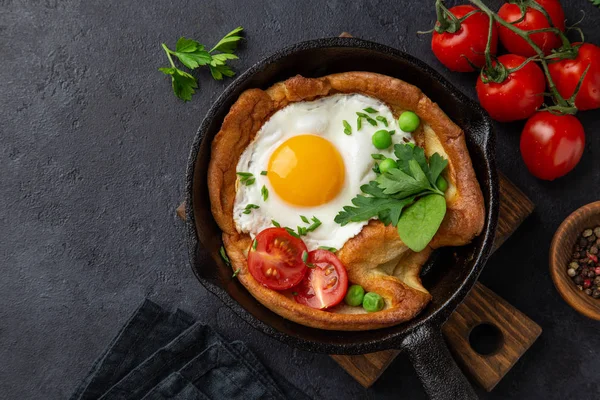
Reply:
x=219, y=71
x=366, y=208
x=436, y=165
x=397, y=182
x=229, y=42
x=595, y=2
x=193, y=55
x=182, y=82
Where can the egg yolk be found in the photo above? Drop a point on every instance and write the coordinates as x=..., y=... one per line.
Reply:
x=306, y=170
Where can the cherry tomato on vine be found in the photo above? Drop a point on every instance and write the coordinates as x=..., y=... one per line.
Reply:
x=518, y=96
x=534, y=20
x=276, y=259
x=468, y=42
x=552, y=145
x=566, y=74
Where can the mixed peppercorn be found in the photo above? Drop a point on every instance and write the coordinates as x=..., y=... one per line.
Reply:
x=584, y=268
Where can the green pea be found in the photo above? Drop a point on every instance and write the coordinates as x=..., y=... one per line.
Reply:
x=373, y=302
x=441, y=183
x=409, y=121
x=354, y=296
x=382, y=139
x=387, y=164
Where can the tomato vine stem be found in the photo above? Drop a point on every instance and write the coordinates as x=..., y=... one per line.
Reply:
x=562, y=105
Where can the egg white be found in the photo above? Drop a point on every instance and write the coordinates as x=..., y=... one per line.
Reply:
x=322, y=117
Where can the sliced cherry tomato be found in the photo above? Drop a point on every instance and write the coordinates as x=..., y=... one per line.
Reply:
x=276, y=262
x=326, y=283
x=534, y=20
x=468, y=42
x=518, y=96
x=567, y=73
x=552, y=145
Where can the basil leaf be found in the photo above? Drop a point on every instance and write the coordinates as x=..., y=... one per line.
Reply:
x=420, y=222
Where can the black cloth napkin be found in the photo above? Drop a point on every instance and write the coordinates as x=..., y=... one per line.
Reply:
x=159, y=355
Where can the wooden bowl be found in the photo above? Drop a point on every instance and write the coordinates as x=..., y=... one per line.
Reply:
x=561, y=251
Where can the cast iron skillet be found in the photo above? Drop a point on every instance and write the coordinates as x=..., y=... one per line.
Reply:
x=448, y=276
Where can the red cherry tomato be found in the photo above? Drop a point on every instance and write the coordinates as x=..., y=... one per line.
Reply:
x=567, y=73
x=552, y=145
x=276, y=262
x=453, y=49
x=534, y=20
x=326, y=284
x=519, y=96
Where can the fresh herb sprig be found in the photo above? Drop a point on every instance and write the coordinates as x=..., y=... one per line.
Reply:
x=193, y=55
x=595, y=2
x=414, y=186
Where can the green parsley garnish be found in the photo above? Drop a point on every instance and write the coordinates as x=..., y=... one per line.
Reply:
x=378, y=156
x=302, y=230
x=370, y=110
x=249, y=208
x=331, y=249
x=275, y=223
x=236, y=272
x=254, y=244
x=263, y=172
x=347, y=128
x=412, y=184
x=291, y=232
x=294, y=293
x=193, y=55
x=358, y=123
x=316, y=223
x=224, y=256
x=368, y=118
x=392, y=132
x=382, y=119
x=264, y=193
x=304, y=256
x=246, y=178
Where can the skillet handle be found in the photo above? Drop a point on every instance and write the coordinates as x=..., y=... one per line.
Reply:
x=437, y=370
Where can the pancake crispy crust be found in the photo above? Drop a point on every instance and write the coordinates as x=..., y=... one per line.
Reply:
x=376, y=258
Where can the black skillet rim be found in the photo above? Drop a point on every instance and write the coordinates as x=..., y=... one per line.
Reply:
x=394, y=339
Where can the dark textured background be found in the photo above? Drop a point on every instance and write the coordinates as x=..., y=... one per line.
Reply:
x=93, y=148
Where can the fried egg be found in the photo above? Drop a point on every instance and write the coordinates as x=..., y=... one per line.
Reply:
x=306, y=168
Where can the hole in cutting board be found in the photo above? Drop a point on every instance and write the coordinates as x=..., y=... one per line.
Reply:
x=486, y=339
